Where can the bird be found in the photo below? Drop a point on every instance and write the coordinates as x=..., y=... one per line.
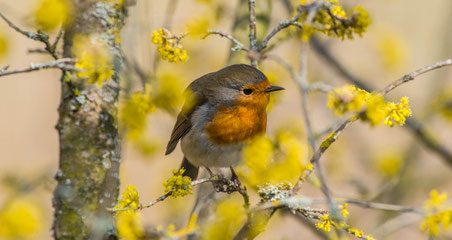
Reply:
x=223, y=112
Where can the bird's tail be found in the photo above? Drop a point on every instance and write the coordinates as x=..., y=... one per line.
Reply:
x=190, y=169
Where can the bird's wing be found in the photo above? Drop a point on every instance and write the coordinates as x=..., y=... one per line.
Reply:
x=183, y=123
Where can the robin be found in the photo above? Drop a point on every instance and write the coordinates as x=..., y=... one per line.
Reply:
x=226, y=110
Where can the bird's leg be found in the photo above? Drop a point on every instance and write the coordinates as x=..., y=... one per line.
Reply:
x=218, y=186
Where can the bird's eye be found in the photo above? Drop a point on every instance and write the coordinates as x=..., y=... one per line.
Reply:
x=247, y=91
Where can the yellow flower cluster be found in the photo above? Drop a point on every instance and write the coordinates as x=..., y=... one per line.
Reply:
x=128, y=221
x=20, y=219
x=50, y=14
x=94, y=58
x=437, y=214
x=169, y=47
x=130, y=198
x=334, y=21
x=325, y=223
x=229, y=217
x=370, y=107
x=179, y=184
x=133, y=112
x=398, y=112
x=276, y=161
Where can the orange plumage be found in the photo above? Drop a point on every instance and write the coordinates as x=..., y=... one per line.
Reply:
x=242, y=122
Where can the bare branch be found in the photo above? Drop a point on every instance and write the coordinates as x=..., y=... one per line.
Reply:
x=413, y=75
x=282, y=25
x=40, y=36
x=252, y=35
x=238, y=46
x=65, y=64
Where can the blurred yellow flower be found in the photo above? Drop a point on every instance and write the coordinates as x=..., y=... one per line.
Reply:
x=3, y=44
x=388, y=164
x=190, y=228
x=93, y=57
x=273, y=162
x=229, y=217
x=129, y=225
x=179, y=184
x=169, y=47
x=169, y=92
x=392, y=48
x=437, y=214
x=50, y=14
x=344, y=210
x=20, y=219
x=200, y=24
x=133, y=113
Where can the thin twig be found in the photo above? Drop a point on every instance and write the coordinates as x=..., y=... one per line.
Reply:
x=238, y=44
x=282, y=25
x=40, y=36
x=63, y=64
x=413, y=75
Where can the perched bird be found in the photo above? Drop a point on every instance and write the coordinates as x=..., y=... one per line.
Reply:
x=225, y=110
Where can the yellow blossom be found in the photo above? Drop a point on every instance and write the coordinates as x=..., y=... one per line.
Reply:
x=169, y=47
x=50, y=14
x=130, y=198
x=3, y=45
x=133, y=113
x=20, y=219
x=264, y=163
x=169, y=93
x=129, y=225
x=190, y=228
x=179, y=184
x=389, y=163
x=229, y=217
x=369, y=107
x=437, y=214
x=94, y=58
x=325, y=223
x=398, y=112
x=200, y=24
x=344, y=210
x=335, y=22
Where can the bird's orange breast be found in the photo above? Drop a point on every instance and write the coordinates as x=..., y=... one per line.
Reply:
x=242, y=122
x=234, y=125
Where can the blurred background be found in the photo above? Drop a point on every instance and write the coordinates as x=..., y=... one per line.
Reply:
x=386, y=164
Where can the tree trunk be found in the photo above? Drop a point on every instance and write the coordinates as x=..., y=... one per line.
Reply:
x=88, y=174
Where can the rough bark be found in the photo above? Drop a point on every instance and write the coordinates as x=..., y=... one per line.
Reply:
x=88, y=174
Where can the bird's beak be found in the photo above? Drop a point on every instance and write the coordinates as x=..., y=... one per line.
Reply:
x=274, y=88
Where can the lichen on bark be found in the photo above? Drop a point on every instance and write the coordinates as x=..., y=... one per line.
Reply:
x=88, y=174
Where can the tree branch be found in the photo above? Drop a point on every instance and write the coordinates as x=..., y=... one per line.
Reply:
x=65, y=64
x=238, y=46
